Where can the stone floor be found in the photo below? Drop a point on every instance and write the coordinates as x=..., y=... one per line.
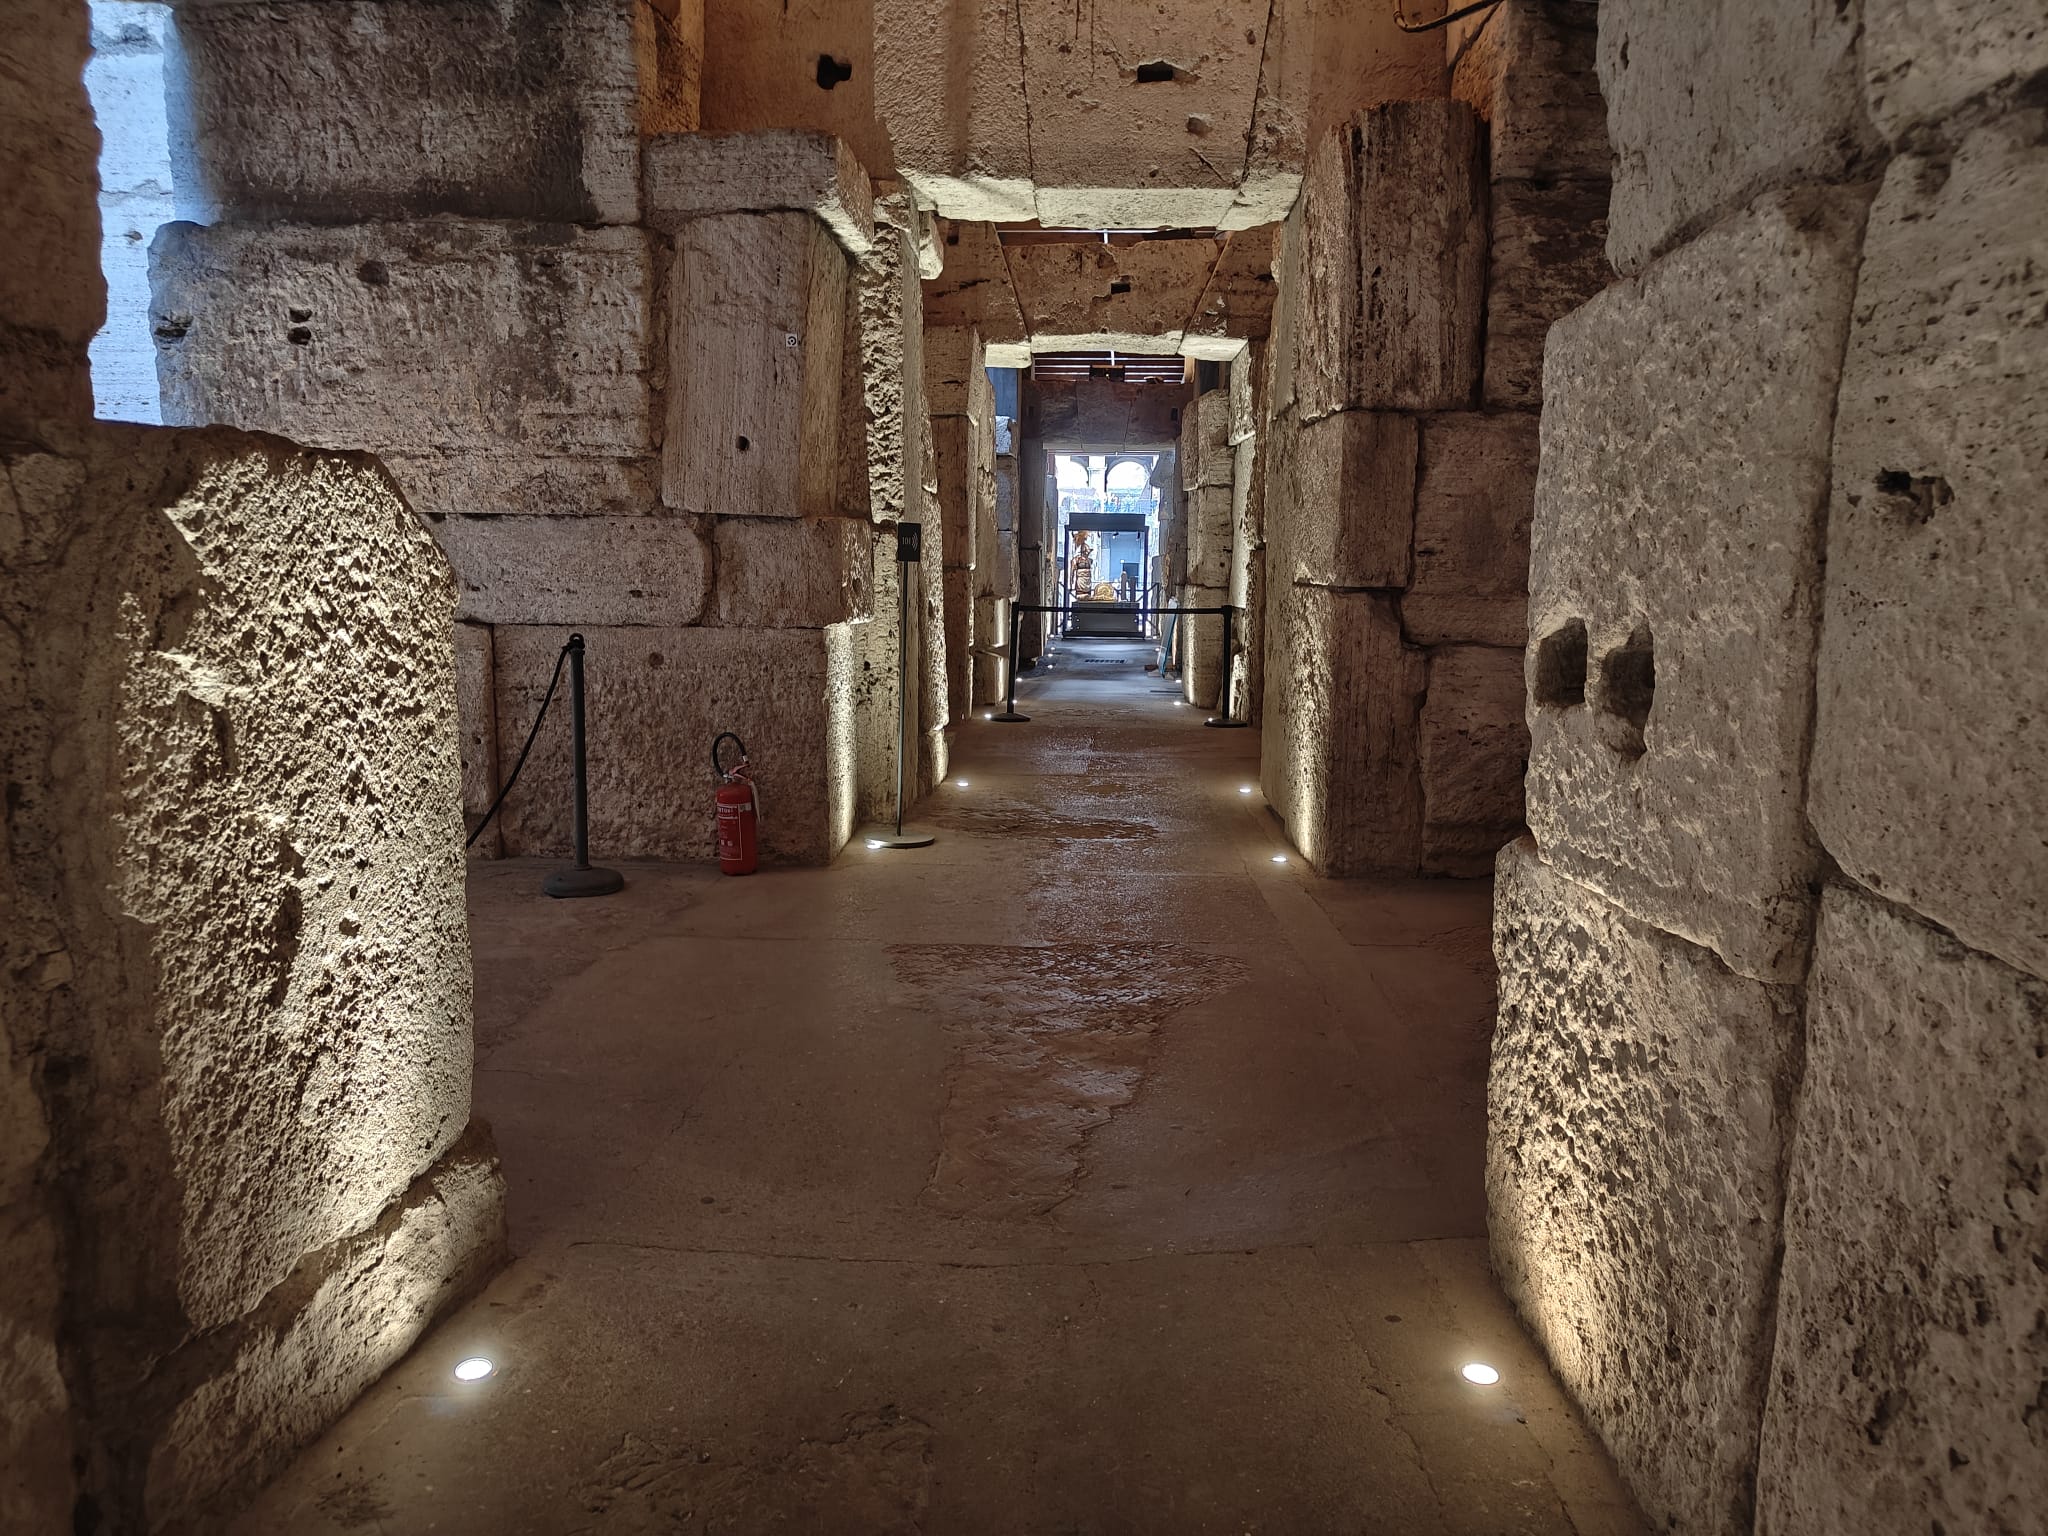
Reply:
x=1086, y=1172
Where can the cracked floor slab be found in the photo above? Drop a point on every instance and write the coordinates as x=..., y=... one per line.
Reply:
x=1024, y=1183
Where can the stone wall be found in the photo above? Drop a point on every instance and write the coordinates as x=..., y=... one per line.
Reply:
x=1434, y=244
x=963, y=425
x=626, y=374
x=1767, y=1088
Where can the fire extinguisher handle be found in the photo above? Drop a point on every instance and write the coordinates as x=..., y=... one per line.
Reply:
x=720, y=740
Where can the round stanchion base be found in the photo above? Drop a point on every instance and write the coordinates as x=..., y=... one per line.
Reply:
x=583, y=881
x=1009, y=717
x=1222, y=724
x=889, y=837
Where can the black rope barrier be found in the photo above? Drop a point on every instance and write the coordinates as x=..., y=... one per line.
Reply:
x=1220, y=719
x=545, y=700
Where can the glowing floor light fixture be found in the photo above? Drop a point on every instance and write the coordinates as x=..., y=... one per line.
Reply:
x=475, y=1368
x=960, y=783
x=1244, y=789
x=1480, y=1374
x=1279, y=858
x=874, y=842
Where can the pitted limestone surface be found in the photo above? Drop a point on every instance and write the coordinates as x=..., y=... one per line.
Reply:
x=1052, y=1042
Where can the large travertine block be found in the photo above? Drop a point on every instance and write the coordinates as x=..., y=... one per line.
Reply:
x=778, y=574
x=52, y=297
x=755, y=377
x=1473, y=505
x=892, y=370
x=1930, y=758
x=1246, y=385
x=576, y=570
x=394, y=109
x=1708, y=105
x=295, y=1368
x=1924, y=59
x=1210, y=535
x=957, y=618
x=1637, y=1109
x=1549, y=256
x=1394, y=262
x=1906, y=1388
x=782, y=170
x=1201, y=645
x=1236, y=303
x=1205, y=456
x=973, y=288
x=1339, y=750
x=1135, y=297
x=476, y=720
x=236, y=848
x=656, y=698
x=953, y=358
x=953, y=442
x=1530, y=73
x=1474, y=746
x=1349, y=516
x=531, y=398
x=992, y=649
x=949, y=90
x=1107, y=415
x=1674, y=579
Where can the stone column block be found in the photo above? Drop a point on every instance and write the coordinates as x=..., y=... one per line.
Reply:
x=1549, y=256
x=1474, y=748
x=953, y=442
x=1708, y=105
x=958, y=621
x=1210, y=536
x=1530, y=73
x=1236, y=305
x=1349, y=517
x=757, y=348
x=576, y=570
x=1201, y=646
x=1340, y=759
x=395, y=109
x=315, y=333
x=1394, y=262
x=1930, y=757
x=991, y=651
x=953, y=357
x=1674, y=582
x=1473, y=505
x=784, y=170
x=1637, y=1108
x=778, y=574
x=235, y=803
x=1205, y=456
x=1910, y=1347
x=657, y=697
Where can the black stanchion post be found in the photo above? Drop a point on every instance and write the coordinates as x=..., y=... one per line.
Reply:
x=581, y=879
x=1221, y=719
x=1009, y=716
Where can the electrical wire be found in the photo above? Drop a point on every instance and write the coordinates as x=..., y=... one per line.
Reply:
x=545, y=699
x=1401, y=20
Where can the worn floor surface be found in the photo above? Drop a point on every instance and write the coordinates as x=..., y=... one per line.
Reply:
x=1085, y=1172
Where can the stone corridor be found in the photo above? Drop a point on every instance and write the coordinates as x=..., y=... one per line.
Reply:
x=1149, y=1201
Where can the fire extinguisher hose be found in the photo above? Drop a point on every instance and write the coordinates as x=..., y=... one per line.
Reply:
x=738, y=770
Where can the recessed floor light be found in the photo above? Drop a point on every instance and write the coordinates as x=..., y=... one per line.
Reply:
x=475, y=1368
x=1480, y=1374
x=1279, y=858
x=872, y=843
x=961, y=783
x=1244, y=789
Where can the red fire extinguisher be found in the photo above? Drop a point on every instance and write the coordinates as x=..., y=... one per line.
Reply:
x=739, y=810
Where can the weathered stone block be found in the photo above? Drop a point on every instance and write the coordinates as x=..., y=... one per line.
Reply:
x=778, y=574
x=1473, y=505
x=1134, y=297
x=1923, y=59
x=1236, y=303
x=1637, y=1108
x=1549, y=257
x=1910, y=1348
x=576, y=570
x=237, y=789
x=1394, y=262
x=1350, y=515
x=973, y=288
x=952, y=358
x=756, y=353
x=957, y=619
x=295, y=1368
x=656, y=699
x=1210, y=535
x=1530, y=73
x=783, y=170
x=476, y=720
x=1474, y=745
x=315, y=333
x=991, y=651
x=1674, y=583
x=956, y=450
x=1106, y=416
x=1339, y=751
x=1708, y=105
x=1205, y=456
x=1247, y=376
x=393, y=109
x=1201, y=645
x=1930, y=758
